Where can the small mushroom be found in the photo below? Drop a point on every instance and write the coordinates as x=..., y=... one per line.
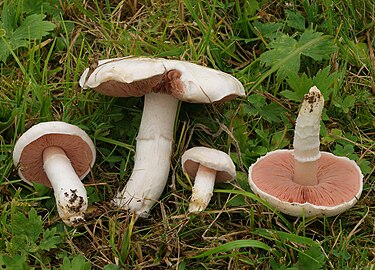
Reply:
x=57, y=155
x=163, y=83
x=207, y=166
x=306, y=181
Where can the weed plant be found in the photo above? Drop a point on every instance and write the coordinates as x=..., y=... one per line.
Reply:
x=277, y=49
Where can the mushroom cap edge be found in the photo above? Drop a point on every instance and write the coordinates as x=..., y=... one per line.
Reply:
x=306, y=209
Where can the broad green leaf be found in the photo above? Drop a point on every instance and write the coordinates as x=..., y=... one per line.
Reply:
x=93, y=195
x=260, y=150
x=8, y=18
x=285, y=53
x=17, y=43
x=236, y=201
x=267, y=30
x=16, y=262
x=295, y=20
x=49, y=7
x=77, y=263
x=291, y=95
x=4, y=52
x=240, y=130
x=41, y=189
x=349, y=101
x=271, y=112
x=251, y=7
x=299, y=84
x=50, y=239
x=234, y=245
x=321, y=50
x=112, y=267
x=35, y=225
x=30, y=227
x=325, y=81
x=344, y=103
x=344, y=150
x=311, y=259
x=365, y=166
x=242, y=180
x=33, y=27
x=257, y=100
x=282, y=48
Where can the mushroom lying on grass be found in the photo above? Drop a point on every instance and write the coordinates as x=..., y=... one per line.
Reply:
x=207, y=166
x=305, y=181
x=57, y=155
x=163, y=83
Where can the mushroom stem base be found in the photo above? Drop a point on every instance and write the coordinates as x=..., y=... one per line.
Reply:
x=306, y=173
x=70, y=193
x=202, y=190
x=153, y=155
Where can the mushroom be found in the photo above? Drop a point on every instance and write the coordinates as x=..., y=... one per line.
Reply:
x=208, y=166
x=306, y=181
x=57, y=155
x=163, y=83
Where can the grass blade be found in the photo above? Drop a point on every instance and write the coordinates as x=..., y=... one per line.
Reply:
x=234, y=245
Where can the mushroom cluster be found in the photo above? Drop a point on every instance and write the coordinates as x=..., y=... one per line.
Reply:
x=163, y=83
x=59, y=155
x=302, y=181
x=306, y=181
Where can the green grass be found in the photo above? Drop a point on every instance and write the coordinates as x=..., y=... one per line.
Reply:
x=251, y=40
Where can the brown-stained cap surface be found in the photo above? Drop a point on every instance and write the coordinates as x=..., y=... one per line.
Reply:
x=339, y=180
x=210, y=158
x=28, y=151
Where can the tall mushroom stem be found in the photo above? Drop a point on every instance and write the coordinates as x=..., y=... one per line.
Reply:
x=202, y=189
x=70, y=193
x=153, y=153
x=306, y=138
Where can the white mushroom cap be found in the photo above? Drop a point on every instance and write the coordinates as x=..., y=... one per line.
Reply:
x=136, y=76
x=340, y=184
x=210, y=158
x=28, y=151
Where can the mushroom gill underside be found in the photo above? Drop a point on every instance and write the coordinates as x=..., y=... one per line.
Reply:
x=274, y=176
x=165, y=83
x=32, y=156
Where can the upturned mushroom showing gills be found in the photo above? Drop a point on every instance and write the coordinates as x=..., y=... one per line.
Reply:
x=163, y=83
x=306, y=181
x=57, y=155
x=207, y=166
